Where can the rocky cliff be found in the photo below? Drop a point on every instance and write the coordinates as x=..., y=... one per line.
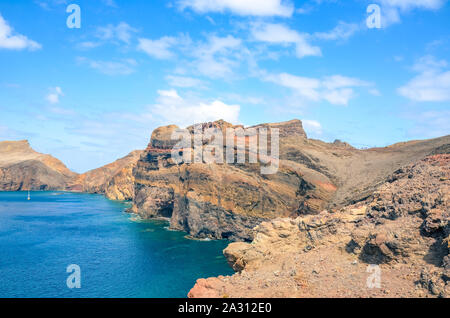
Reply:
x=393, y=244
x=22, y=168
x=114, y=180
x=228, y=200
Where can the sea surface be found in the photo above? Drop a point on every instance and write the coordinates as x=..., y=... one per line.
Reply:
x=118, y=254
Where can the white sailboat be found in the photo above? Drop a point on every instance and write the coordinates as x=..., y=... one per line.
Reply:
x=29, y=197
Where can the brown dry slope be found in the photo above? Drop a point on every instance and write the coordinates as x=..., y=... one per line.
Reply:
x=22, y=168
x=115, y=180
x=403, y=228
x=229, y=200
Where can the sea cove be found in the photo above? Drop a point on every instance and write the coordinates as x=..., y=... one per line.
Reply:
x=119, y=256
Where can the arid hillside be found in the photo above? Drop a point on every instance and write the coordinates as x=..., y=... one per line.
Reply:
x=393, y=244
x=22, y=168
x=115, y=180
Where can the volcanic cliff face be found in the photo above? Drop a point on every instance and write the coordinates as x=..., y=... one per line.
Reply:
x=114, y=180
x=393, y=244
x=22, y=168
x=228, y=200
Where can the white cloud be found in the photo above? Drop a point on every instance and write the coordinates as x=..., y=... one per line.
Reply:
x=116, y=34
x=303, y=86
x=184, y=81
x=217, y=57
x=244, y=99
x=281, y=8
x=160, y=49
x=171, y=108
x=11, y=41
x=342, y=31
x=54, y=95
x=122, y=67
x=432, y=84
x=336, y=89
x=121, y=32
x=413, y=4
x=281, y=34
x=391, y=9
x=312, y=126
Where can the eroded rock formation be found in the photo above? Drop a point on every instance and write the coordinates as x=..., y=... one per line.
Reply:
x=228, y=200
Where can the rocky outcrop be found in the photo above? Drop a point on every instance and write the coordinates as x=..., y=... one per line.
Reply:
x=219, y=200
x=400, y=233
x=114, y=180
x=228, y=200
x=22, y=168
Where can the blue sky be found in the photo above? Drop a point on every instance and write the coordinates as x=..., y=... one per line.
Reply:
x=91, y=95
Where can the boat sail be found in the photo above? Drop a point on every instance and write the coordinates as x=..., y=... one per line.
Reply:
x=29, y=197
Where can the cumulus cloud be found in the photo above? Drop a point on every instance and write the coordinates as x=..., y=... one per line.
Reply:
x=281, y=8
x=336, y=89
x=12, y=41
x=432, y=84
x=217, y=57
x=281, y=34
x=172, y=108
x=54, y=95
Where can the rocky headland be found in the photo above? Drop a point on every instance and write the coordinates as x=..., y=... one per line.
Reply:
x=22, y=168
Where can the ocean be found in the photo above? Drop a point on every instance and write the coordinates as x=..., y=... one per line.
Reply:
x=117, y=254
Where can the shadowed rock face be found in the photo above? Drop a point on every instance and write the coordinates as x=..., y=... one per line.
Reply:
x=22, y=168
x=228, y=200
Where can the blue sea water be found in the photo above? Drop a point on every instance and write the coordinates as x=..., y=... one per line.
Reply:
x=118, y=255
